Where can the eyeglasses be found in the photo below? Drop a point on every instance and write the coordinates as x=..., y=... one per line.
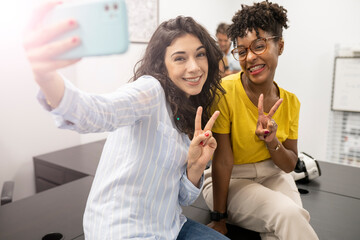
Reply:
x=258, y=47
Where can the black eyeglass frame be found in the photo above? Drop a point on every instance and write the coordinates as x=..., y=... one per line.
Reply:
x=235, y=52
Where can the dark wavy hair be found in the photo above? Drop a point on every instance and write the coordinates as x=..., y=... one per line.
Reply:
x=268, y=16
x=153, y=64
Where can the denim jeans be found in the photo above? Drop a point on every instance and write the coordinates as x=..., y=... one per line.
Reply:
x=195, y=231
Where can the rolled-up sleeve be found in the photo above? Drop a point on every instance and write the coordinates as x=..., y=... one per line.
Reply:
x=188, y=191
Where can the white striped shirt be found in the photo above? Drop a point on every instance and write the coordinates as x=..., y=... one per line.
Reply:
x=140, y=183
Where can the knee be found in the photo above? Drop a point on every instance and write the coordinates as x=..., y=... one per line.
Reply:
x=291, y=213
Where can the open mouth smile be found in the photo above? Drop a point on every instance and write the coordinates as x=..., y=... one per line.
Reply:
x=194, y=79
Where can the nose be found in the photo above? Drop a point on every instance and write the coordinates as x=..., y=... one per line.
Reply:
x=192, y=65
x=250, y=56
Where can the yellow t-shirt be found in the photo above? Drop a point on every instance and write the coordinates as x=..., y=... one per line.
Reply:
x=238, y=117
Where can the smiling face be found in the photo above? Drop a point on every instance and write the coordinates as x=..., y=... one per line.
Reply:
x=260, y=68
x=186, y=63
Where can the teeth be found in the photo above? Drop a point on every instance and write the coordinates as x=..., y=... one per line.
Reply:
x=256, y=68
x=192, y=79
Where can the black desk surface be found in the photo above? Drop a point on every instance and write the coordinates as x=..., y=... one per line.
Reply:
x=333, y=216
x=333, y=201
x=83, y=158
x=59, y=209
x=338, y=179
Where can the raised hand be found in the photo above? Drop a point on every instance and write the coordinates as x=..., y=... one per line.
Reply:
x=202, y=147
x=39, y=51
x=266, y=126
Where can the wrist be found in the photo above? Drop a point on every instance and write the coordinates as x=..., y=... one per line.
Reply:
x=273, y=146
x=218, y=216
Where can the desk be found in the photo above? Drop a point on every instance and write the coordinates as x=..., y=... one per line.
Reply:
x=63, y=166
x=333, y=200
x=338, y=179
x=59, y=209
x=333, y=203
x=333, y=216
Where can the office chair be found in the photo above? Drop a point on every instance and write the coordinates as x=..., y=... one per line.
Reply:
x=7, y=192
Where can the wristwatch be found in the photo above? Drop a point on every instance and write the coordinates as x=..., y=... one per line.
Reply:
x=216, y=216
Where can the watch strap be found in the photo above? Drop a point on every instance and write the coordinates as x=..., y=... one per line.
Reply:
x=217, y=216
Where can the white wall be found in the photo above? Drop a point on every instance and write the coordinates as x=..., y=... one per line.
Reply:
x=305, y=68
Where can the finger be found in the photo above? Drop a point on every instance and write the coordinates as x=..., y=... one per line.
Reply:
x=201, y=138
x=272, y=126
x=274, y=108
x=261, y=105
x=261, y=133
x=211, y=142
x=211, y=121
x=51, y=50
x=48, y=33
x=198, y=119
x=208, y=135
x=39, y=13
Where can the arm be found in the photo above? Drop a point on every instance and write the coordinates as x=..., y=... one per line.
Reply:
x=188, y=192
x=201, y=148
x=84, y=113
x=285, y=157
x=200, y=152
x=41, y=53
x=221, y=171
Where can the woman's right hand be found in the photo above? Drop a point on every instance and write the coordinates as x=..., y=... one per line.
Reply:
x=219, y=226
x=39, y=51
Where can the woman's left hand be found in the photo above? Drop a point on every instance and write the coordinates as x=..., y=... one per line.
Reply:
x=202, y=147
x=266, y=126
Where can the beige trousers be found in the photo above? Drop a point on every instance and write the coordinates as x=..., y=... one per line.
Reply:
x=265, y=199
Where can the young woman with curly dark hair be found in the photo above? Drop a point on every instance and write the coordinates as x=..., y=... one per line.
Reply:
x=249, y=184
x=149, y=166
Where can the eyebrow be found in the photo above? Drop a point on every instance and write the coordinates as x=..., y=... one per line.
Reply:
x=182, y=52
x=251, y=42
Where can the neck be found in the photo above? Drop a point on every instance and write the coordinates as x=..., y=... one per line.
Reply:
x=266, y=88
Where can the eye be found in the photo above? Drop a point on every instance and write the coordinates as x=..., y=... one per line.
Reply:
x=179, y=59
x=201, y=54
x=241, y=51
x=259, y=45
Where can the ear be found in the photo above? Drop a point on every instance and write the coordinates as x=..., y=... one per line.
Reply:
x=281, y=46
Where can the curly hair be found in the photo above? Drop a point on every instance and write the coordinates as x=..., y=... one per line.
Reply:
x=268, y=16
x=153, y=64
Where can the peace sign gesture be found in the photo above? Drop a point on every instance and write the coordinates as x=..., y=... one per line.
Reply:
x=202, y=147
x=266, y=126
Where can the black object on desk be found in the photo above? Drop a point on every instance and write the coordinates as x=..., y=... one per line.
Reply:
x=58, y=210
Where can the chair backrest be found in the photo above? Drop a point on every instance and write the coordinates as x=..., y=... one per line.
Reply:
x=7, y=192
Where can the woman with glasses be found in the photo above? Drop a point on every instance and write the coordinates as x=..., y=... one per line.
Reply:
x=248, y=183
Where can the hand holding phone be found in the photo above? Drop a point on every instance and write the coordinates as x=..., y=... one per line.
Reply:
x=102, y=27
